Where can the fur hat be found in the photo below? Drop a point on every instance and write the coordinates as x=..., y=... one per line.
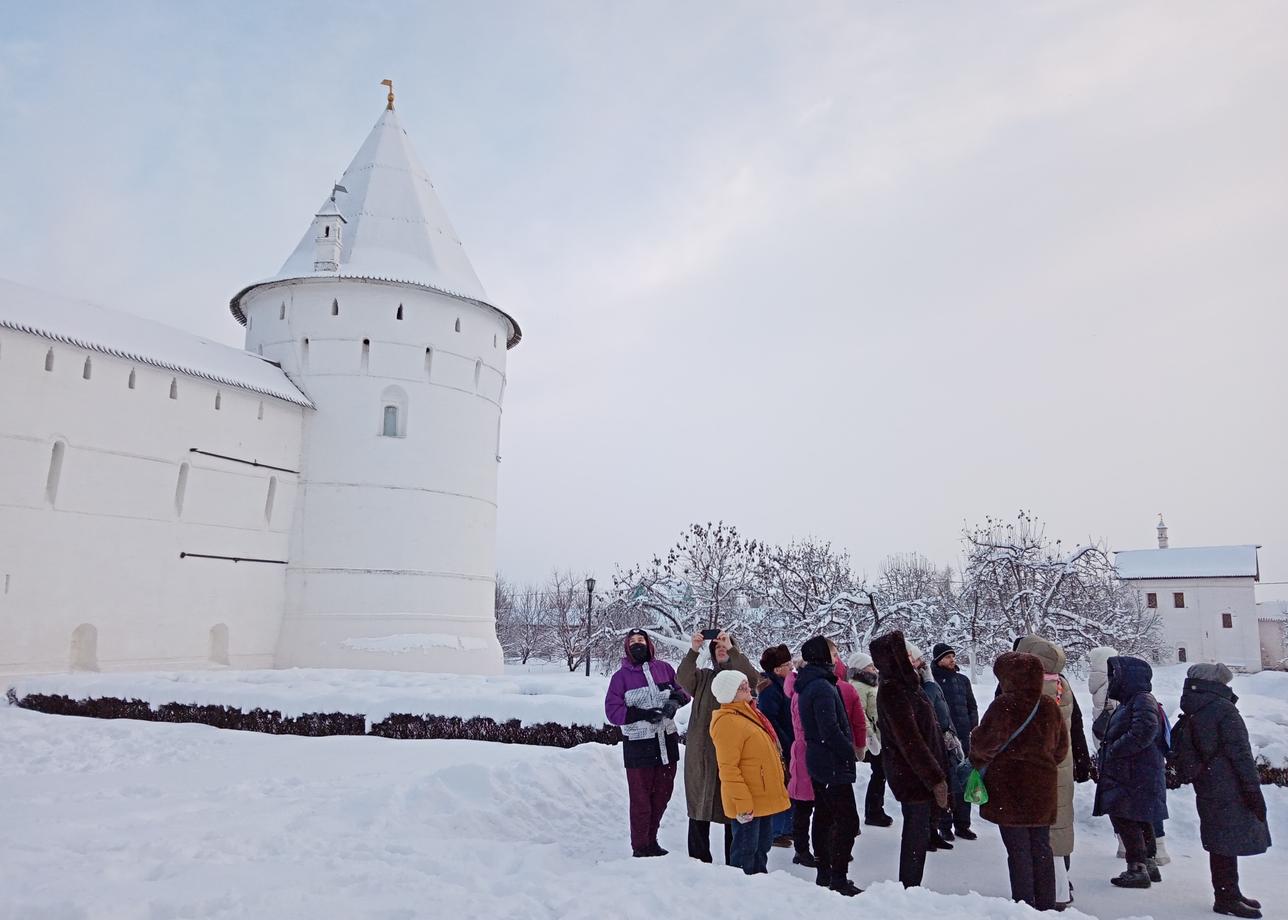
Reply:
x=942, y=649
x=774, y=657
x=1214, y=672
x=725, y=685
x=817, y=651
x=858, y=661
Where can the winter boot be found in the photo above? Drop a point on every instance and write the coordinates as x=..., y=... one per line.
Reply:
x=1151, y=866
x=1063, y=887
x=1228, y=903
x=947, y=834
x=655, y=850
x=1160, y=852
x=805, y=858
x=1135, y=876
x=784, y=840
x=1251, y=902
x=824, y=877
x=937, y=842
x=842, y=885
x=965, y=833
x=641, y=852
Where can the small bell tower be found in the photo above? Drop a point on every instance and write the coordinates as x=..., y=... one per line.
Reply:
x=327, y=223
x=1162, y=533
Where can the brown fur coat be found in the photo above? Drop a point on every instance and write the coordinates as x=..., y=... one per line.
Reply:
x=1022, y=781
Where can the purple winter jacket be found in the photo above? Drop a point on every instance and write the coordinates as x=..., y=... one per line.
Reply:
x=644, y=743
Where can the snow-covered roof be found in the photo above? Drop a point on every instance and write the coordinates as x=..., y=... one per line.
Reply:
x=89, y=326
x=395, y=227
x=1188, y=562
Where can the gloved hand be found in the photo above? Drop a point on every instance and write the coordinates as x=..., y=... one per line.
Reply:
x=745, y=817
x=1095, y=772
x=941, y=794
x=679, y=696
x=668, y=708
x=953, y=745
x=636, y=714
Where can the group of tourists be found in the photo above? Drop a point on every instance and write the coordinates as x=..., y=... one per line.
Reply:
x=771, y=756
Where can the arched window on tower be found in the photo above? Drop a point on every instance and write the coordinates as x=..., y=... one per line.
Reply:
x=478, y=373
x=174, y=388
x=133, y=379
x=335, y=308
x=180, y=489
x=458, y=324
x=88, y=370
x=49, y=360
x=399, y=314
x=393, y=412
x=429, y=363
x=281, y=314
x=366, y=355
x=55, y=474
x=326, y=232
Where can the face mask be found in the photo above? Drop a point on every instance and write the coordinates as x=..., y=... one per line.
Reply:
x=639, y=653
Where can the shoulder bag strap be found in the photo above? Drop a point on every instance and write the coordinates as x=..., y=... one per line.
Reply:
x=1015, y=734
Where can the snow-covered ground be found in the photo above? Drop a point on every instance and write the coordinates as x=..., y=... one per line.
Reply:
x=150, y=821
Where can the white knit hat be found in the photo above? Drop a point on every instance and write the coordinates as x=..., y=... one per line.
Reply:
x=858, y=660
x=725, y=687
x=913, y=650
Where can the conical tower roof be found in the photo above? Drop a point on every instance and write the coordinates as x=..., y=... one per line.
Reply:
x=395, y=227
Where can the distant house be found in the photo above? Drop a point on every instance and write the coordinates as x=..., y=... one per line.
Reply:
x=1205, y=597
x=1272, y=626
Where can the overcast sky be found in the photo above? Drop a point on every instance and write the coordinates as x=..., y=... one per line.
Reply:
x=861, y=271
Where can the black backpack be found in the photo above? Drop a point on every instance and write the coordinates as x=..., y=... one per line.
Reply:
x=1184, y=765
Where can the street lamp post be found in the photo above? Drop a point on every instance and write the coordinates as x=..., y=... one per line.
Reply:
x=590, y=607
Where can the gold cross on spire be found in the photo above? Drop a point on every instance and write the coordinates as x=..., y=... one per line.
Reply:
x=389, y=83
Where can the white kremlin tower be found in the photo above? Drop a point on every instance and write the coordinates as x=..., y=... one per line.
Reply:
x=378, y=316
x=324, y=498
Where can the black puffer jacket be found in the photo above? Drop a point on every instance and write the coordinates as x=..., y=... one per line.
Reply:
x=1132, y=784
x=1232, y=810
x=829, y=743
x=960, y=697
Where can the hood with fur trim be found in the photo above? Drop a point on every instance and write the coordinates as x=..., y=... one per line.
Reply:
x=1021, y=673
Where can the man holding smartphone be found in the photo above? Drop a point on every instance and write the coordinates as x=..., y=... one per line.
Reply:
x=701, y=773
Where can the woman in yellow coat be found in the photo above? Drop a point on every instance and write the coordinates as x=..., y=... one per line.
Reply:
x=753, y=785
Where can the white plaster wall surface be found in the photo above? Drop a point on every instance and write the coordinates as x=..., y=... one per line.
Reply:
x=105, y=550
x=393, y=536
x=1198, y=626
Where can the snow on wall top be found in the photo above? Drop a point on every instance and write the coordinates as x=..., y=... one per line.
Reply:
x=96, y=328
x=1188, y=562
x=395, y=228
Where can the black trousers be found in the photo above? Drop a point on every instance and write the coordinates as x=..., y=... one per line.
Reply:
x=874, y=800
x=912, y=842
x=1225, y=873
x=700, y=840
x=802, y=811
x=1138, y=838
x=957, y=815
x=1032, y=867
x=836, y=824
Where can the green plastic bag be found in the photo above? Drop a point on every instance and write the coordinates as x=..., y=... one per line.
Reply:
x=976, y=793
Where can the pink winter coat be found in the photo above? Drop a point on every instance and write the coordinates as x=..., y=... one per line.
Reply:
x=798, y=786
x=853, y=708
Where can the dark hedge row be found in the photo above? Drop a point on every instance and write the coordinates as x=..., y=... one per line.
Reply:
x=401, y=726
x=547, y=734
x=318, y=724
